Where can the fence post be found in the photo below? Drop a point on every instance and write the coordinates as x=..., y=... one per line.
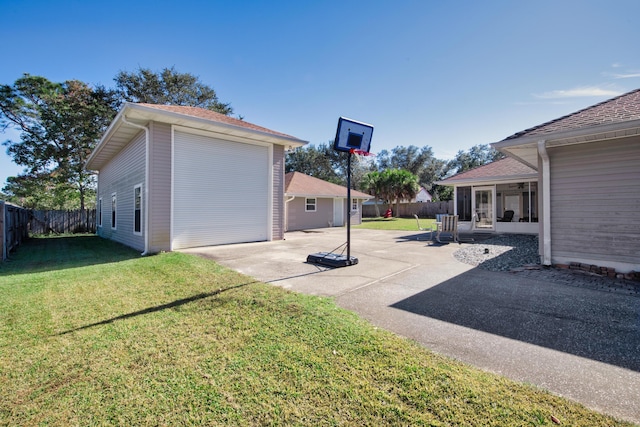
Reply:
x=3, y=243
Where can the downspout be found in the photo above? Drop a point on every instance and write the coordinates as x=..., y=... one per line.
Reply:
x=286, y=213
x=546, y=203
x=146, y=182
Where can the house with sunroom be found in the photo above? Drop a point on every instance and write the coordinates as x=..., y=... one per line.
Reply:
x=588, y=165
x=173, y=177
x=575, y=181
x=498, y=197
x=316, y=203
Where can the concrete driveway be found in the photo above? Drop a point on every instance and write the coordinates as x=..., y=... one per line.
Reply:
x=580, y=343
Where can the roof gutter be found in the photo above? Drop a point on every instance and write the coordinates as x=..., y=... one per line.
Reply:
x=146, y=182
x=286, y=212
x=224, y=128
x=576, y=136
x=546, y=202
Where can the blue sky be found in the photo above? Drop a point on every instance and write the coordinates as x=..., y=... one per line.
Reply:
x=447, y=74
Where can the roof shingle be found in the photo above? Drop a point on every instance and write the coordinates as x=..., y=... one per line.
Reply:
x=619, y=109
x=297, y=183
x=499, y=169
x=203, y=113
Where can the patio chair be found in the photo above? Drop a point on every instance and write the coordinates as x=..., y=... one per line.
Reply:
x=507, y=217
x=449, y=224
x=430, y=230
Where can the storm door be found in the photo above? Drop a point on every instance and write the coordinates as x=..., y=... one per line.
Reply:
x=484, y=208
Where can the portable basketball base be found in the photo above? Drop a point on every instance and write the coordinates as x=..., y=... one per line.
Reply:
x=351, y=136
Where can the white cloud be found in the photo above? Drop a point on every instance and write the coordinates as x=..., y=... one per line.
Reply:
x=626, y=76
x=579, y=92
x=616, y=65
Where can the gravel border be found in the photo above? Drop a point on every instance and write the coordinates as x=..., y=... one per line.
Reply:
x=502, y=252
x=518, y=254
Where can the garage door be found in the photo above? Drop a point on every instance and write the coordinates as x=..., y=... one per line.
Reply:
x=221, y=191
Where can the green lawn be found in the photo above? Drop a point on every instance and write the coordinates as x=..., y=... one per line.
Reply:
x=93, y=334
x=404, y=224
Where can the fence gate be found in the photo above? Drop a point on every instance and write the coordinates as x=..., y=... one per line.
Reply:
x=14, y=227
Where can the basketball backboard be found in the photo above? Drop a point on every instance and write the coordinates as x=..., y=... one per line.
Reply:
x=352, y=135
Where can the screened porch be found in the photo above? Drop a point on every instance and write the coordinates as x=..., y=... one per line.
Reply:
x=502, y=208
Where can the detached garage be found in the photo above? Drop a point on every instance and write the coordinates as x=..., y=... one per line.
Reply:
x=173, y=177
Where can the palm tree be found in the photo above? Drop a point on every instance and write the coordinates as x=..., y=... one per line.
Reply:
x=399, y=184
x=372, y=183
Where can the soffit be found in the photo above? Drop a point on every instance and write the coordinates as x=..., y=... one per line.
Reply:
x=120, y=133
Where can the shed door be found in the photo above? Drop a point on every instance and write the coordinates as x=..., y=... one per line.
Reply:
x=221, y=191
x=338, y=212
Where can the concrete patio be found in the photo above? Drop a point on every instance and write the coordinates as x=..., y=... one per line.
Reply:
x=580, y=343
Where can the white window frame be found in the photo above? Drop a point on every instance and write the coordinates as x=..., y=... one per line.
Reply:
x=137, y=187
x=114, y=211
x=354, y=205
x=307, y=203
x=100, y=212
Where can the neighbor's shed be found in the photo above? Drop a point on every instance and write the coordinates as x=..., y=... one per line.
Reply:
x=315, y=203
x=172, y=177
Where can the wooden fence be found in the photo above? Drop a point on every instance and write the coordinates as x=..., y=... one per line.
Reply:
x=14, y=227
x=407, y=210
x=60, y=222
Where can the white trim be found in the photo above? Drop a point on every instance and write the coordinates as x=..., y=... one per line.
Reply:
x=579, y=135
x=491, y=188
x=270, y=195
x=156, y=114
x=546, y=202
x=286, y=212
x=306, y=204
x=221, y=136
x=223, y=130
x=172, y=191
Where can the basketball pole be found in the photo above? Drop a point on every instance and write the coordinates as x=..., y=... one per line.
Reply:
x=349, y=205
x=354, y=138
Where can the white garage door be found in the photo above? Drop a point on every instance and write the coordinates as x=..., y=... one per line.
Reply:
x=221, y=191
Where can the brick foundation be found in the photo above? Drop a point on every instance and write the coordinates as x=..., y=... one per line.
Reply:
x=600, y=271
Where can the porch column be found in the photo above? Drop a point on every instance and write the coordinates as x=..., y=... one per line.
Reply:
x=546, y=203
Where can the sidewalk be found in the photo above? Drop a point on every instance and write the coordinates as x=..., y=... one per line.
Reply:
x=578, y=342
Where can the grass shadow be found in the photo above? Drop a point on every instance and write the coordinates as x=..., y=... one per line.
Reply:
x=41, y=254
x=154, y=309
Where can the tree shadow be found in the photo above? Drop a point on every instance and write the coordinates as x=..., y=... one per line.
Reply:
x=154, y=309
x=585, y=322
x=41, y=254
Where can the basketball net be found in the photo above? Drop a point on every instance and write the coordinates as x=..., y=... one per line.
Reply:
x=360, y=152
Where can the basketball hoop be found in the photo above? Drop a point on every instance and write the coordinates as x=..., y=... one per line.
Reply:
x=360, y=152
x=352, y=137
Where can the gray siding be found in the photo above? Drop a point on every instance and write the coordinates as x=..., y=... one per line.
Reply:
x=120, y=176
x=278, y=192
x=298, y=219
x=595, y=200
x=160, y=187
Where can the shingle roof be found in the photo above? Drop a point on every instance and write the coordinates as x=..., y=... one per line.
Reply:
x=297, y=183
x=203, y=113
x=500, y=169
x=619, y=109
